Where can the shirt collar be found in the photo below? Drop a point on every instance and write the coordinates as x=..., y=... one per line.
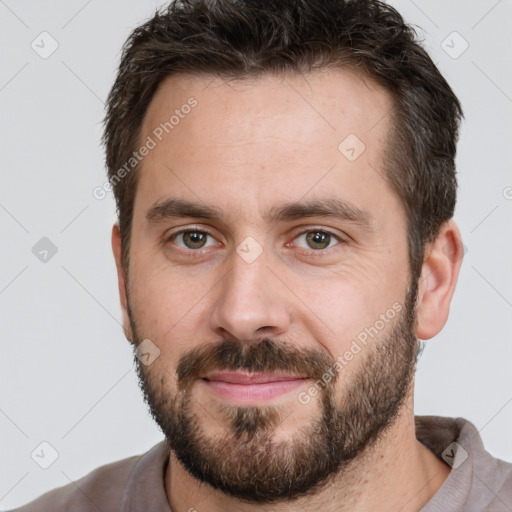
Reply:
x=454, y=440
x=145, y=489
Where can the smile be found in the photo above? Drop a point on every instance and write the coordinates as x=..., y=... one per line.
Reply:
x=246, y=388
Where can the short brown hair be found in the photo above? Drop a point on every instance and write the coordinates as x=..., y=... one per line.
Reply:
x=246, y=38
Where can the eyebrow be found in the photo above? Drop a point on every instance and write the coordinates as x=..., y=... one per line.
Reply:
x=172, y=208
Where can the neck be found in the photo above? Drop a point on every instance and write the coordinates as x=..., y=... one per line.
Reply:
x=396, y=473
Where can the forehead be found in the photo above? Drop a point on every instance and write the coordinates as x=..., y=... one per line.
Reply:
x=242, y=143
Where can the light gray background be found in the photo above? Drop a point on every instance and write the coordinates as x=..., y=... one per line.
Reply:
x=66, y=368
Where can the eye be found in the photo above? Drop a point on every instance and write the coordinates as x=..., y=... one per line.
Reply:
x=192, y=239
x=317, y=240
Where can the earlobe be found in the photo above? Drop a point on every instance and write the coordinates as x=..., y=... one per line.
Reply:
x=122, y=280
x=438, y=279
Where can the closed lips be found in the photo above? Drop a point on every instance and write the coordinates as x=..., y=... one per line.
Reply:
x=243, y=378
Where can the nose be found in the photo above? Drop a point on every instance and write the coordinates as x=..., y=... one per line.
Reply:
x=251, y=302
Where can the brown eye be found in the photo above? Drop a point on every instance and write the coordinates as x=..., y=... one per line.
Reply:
x=192, y=239
x=316, y=240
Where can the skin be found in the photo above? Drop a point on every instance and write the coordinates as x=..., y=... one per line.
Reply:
x=249, y=146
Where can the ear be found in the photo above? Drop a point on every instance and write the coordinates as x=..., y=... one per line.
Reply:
x=441, y=265
x=122, y=281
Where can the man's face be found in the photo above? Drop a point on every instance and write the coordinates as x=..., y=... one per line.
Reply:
x=281, y=252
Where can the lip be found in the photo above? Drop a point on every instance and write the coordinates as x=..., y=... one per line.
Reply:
x=255, y=378
x=250, y=389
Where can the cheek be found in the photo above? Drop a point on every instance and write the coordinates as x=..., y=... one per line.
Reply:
x=168, y=309
x=345, y=303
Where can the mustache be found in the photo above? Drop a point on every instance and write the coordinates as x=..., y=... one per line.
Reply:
x=263, y=356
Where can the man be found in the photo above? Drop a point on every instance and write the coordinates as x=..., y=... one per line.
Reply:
x=285, y=184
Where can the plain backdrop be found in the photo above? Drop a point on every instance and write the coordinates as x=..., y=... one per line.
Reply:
x=66, y=368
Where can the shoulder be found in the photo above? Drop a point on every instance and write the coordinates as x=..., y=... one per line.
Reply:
x=495, y=478
x=101, y=489
x=478, y=480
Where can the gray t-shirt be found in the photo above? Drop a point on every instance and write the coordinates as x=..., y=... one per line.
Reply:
x=478, y=482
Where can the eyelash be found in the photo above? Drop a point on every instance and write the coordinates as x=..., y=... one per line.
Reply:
x=323, y=231
x=189, y=230
x=297, y=235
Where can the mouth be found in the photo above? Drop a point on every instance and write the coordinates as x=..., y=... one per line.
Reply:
x=251, y=388
x=254, y=378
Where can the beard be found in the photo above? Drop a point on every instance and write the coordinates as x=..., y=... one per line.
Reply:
x=247, y=462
